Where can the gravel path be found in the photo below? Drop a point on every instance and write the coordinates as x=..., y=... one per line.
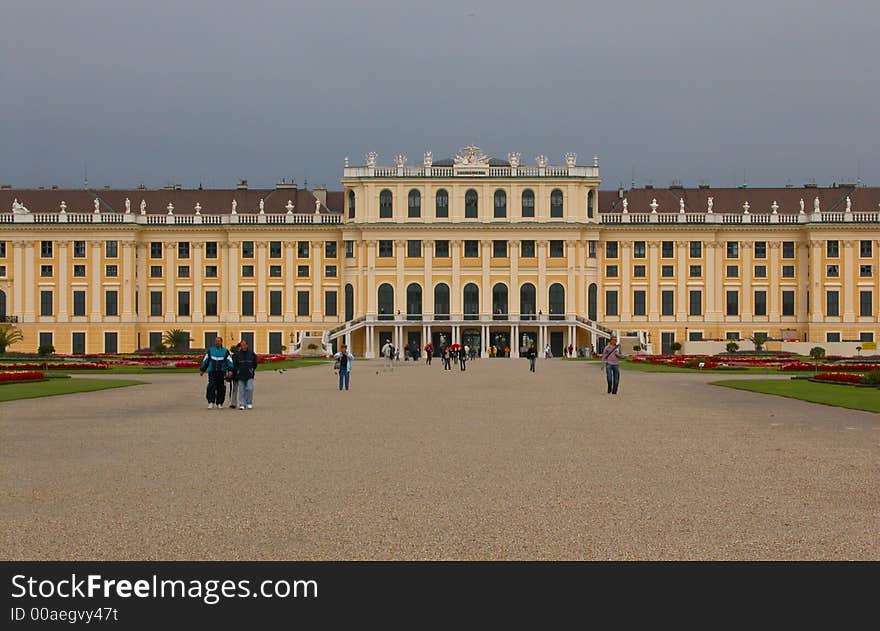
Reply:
x=494, y=463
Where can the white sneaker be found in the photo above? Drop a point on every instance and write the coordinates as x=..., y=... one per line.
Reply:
x=240, y=407
x=210, y=406
x=250, y=407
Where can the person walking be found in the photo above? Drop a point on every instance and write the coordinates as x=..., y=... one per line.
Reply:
x=429, y=353
x=344, y=359
x=388, y=356
x=447, y=358
x=532, y=355
x=232, y=378
x=611, y=362
x=217, y=362
x=462, y=358
x=548, y=352
x=245, y=366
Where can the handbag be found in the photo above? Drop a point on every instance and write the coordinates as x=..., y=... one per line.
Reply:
x=336, y=364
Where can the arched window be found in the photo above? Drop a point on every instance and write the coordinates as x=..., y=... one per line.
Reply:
x=414, y=302
x=499, y=301
x=470, y=204
x=500, y=203
x=527, y=302
x=349, y=303
x=386, y=302
x=441, y=302
x=528, y=203
x=441, y=203
x=386, y=204
x=591, y=196
x=592, y=302
x=414, y=204
x=557, y=302
x=556, y=203
x=351, y=204
x=471, y=302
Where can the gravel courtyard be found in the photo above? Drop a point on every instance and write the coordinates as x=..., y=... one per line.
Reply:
x=493, y=463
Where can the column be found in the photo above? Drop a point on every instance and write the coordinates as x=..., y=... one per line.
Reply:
x=197, y=297
x=571, y=289
x=581, y=305
x=399, y=286
x=802, y=275
x=746, y=306
x=681, y=274
x=143, y=295
x=486, y=306
x=773, y=289
x=317, y=275
x=514, y=340
x=262, y=275
x=720, y=301
x=95, y=288
x=22, y=277
x=711, y=281
x=170, y=298
x=571, y=336
x=625, y=271
x=372, y=298
x=542, y=299
x=230, y=281
x=849, y=273
x=129, y=281
x=368, y=352
x=29, y=277
x=428, y=286
x=456, y=288
x=653, y=280
x=513, y=305
x=62, y=280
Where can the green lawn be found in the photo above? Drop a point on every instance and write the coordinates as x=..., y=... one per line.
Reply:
x=52, y=387
x=825, y=393
x=138, y=370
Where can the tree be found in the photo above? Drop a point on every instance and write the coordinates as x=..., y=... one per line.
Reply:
x=9, y=335
x=732, y=347
x=676, y=346
x=817, y=352
x=176, y=339
x=759, y=340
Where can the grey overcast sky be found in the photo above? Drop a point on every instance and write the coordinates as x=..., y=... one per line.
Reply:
x=162, y=91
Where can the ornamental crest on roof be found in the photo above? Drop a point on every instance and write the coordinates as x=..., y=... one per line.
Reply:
x=471, y=156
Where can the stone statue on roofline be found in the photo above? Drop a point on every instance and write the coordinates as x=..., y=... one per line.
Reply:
x=681, y=205
x=371, y=159
x=514, y=158
x=317, y=206
x=802, y=205
x=848, y=204
x=18, y=209
x=127, y=206
x=428, y=160
x=97, y=205
x=262, y=206
x=143, y=207
x=816, y=205
x=625, y=205
x=709, y=203
x=234, y=206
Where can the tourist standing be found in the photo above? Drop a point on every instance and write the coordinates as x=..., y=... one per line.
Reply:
x=388, y=355
x=429, y=353
x=447, y=358
x=217, y=362
x=344, y=359
x=462, y=358
x=246, y=367
x=532, y=355
x=232, y=378
x=611, y=361
x=548, y=352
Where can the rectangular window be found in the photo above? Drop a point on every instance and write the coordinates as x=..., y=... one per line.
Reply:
x=696, y=271
x=760, y=302
x=441, y=249
x=788, y=271
x=696, y=249
x=732, y=271
x=330, y=271
x=79, y=249
x=386, y=248
x=330, y=249
x=111, y=249
x=499, y=249
x=247, y=249
x=274, y=249
x=732, y=303
x=45, y=271
x=79, y=302
x=866, y=303
x=210, y=303
x=111, y=302
x=527, y=249
x=788, y=249
x=155, y=249
x=155, y=303
x=211, y=250
x=639, y=271
x=183, y=303
x=45, y=303
x=2, y=271
x=866, y=336
x=695, y=302
x=731, y=335
x=156, y=338
x=471, y=249
x=349, y=249
x=788, y=303
x=302, y=303
x=733, y=249
x=275, y=303
x=832, y=303
x=183, y=249
x=79, y=271
x=611, y=302
x=183, y=271
x=46, y=249
x=695, y=336
x=667, y=302
x=330, y=303
x=832, y=271
x=155, y=271
x=247, y=302
x=46, y=339
x=639, y=249
x=247, y=271
x=832, y=337
x=210, y=271
x=639, y=302
x=111, y=342
x=667, y=271
x=2, y=249
x=111, y=271
x=274, y=271
x=611, y=249
x=413, y=248
x=866, y=249
x=832, y=249
x=302, y=249
x=866, y=271
x=557, y=249
x=611, y=271
x=302, y=271
x=760, y=271
x=667, y=249
x=591, y=249
x=760, y=249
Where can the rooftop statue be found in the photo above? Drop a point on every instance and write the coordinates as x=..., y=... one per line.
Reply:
x=471, y=156
x=317, y=205
x=371, y=159
x=97, y=205
x=848, y=204
x=802, y=205
x=428, y=160
x=18, y=209
x=234, y=206
x=127, y=206
x=681, y=204
x=625, y=205
x=514, y=159
x=143, y=207
x=571, y=159
x=262, y=206
x=709, y=203
x=816, y=205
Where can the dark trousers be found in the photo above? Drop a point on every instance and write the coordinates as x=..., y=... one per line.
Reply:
x=612, y=374
x=462, y=363
x=216, y=387
x=344, y=378
x=532, y=364
x=428, y=358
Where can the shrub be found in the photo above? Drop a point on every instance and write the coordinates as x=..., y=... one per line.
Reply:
x=177, y=339
x=637, y=347
x=759, y=340
x=817, y=352
x=872, y=378
x=9, y=335
x=732, y=347
x=676, y=346
x=45, y=349
x=159, y=348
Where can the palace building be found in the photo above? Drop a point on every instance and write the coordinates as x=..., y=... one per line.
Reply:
x=473, y=249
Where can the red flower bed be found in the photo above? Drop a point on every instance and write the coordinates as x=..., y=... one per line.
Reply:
x=54, y=366
x=836, y=368
x=838, y=377
x=20, y=375
x=187, y=364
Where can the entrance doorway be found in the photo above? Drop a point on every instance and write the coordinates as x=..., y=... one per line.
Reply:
x=667, y=339
x=527, y=339
x=500, y=340
x=471, y=339
x=556, y=343
x=414, y=344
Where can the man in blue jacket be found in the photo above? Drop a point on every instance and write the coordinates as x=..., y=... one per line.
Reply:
x=217, y=363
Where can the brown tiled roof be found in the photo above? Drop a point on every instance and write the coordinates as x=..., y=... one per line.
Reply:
x=212, y=201
x=731, y=200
